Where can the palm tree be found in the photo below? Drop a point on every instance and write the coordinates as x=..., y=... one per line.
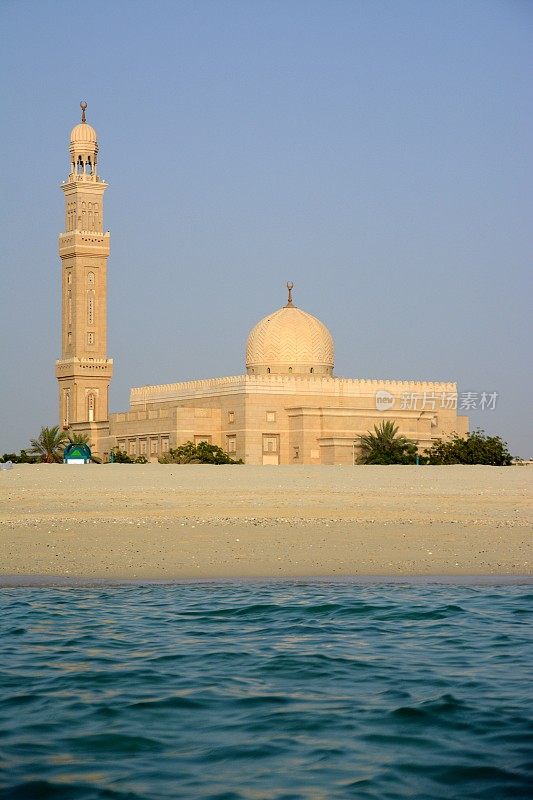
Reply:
x=49, y=445
x=78, y=438
x=386, y=447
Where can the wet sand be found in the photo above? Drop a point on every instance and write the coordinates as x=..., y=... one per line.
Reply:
x=181, y=522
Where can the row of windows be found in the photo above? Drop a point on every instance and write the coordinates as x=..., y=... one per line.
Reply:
x=153, y=445
x=91, y=338
x=89, y=216
x=90, y=407
x=91, y=302
x=311, y=369
x=90, y=278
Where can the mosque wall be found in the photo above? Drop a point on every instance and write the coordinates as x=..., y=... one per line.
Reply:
x=282, y=419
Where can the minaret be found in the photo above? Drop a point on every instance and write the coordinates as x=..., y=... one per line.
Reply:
x=84, y=371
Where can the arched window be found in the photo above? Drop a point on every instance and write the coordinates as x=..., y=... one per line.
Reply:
x=311, y=370
x=83, y=217
x=91, y=407
x=90, y=212
x=69, y=308
x=290, y=369
x=90, y=278
x=79, y=166
x=88, y=166
x=268, y=370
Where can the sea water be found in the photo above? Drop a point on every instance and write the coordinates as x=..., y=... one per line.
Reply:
x=271, y=691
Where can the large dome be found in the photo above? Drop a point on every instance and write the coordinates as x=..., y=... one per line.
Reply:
x=290, y=340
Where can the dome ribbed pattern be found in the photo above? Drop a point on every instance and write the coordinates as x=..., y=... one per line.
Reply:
x=83, y=133
x=290, y=338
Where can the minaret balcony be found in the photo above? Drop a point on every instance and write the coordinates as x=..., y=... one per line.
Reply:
x=88, y=367
x=84, y=243
x=83, y=178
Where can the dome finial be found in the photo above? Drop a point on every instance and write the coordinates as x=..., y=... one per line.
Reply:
x=290, y=287
x=83, y=106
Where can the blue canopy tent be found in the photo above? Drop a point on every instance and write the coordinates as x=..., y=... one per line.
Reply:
x=77, y=454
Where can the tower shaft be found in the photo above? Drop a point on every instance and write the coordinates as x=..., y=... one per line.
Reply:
x=84, y=371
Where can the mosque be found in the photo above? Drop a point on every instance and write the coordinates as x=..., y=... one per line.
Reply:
x=287, y=408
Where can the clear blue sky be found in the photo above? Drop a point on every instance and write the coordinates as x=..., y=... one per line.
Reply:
x=376, y=153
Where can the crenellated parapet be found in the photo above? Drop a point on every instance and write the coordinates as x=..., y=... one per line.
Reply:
x=282, y=384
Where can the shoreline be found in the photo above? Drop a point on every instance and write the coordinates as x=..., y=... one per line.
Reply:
x=170, y=523
x=65, y=582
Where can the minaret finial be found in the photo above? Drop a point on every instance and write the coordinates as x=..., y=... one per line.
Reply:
x=83, y=106
x=290, y=287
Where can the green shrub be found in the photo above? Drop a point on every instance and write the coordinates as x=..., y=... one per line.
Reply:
x=474, y=448
x=201, y=453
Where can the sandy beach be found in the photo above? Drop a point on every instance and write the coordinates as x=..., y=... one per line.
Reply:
x=169, y=522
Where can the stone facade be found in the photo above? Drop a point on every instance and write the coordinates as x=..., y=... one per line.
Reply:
x=281, y=419
x=288, y=408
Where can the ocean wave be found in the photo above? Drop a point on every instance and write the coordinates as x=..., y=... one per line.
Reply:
x=310, y=691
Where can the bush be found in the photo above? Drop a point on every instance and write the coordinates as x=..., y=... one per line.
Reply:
x=201, y=453
x=474, y=448
x=22, y=458
x=119, y=457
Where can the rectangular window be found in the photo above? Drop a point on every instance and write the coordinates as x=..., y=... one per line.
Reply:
x=231, y=444
x=270, y=443
x=153, y=447
x=165, y=444
x=270, y=416
x=143, y=447
x=231, y=416
x=132, y=447
x=198, y=439
x=122, y=445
